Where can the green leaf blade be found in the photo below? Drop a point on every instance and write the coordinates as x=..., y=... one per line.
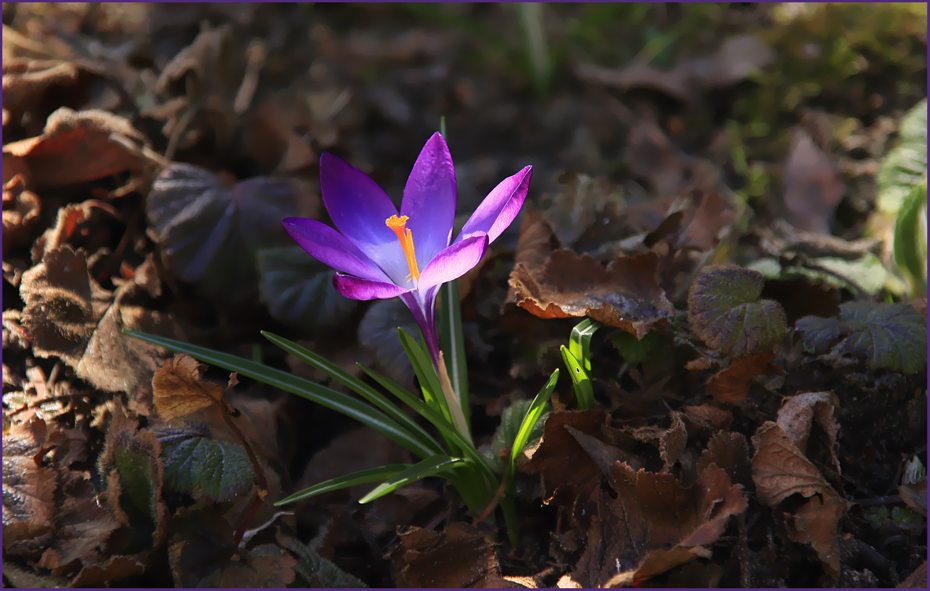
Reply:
x=431, y=466
x=361, y=477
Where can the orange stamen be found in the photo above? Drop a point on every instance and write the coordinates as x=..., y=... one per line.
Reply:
x=399, y=225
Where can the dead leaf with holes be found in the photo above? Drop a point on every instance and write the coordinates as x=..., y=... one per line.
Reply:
x=624, y=295
x=69, y=316
x=654, y=524
x=75, y=148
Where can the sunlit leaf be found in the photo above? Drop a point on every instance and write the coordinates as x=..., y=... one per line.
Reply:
x=889, y=336
x=725, y=312
x=903, y=167
x=221, y=469
x=431, y=466
x=349, y=480
x=210, y=232
x=298, y=289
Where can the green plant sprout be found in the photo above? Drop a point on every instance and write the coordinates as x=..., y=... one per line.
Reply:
x=577, y=357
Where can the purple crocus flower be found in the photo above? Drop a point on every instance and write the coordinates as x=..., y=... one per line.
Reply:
x=379, y=254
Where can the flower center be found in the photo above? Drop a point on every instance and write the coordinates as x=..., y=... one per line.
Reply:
x=399, y=225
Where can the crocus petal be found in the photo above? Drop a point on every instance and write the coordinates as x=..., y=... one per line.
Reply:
x=332, y=248
x=429, y=199
x=359, y=209
x=454, y=261
x=500, y=207
x=356, y=288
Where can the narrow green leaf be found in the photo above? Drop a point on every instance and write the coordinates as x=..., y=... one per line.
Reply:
x=580, y=342
x=431, y=466
x=423, y=368
x=352, y=408
x=910, y=237
x=356, y=385
x=453, y=343
x=361, y=477
x=584, y=391
x=433, y=416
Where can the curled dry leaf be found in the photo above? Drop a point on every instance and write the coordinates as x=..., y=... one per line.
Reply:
x=624, y=295
x=178, y=390
x=24, y=80
x=655, y=524
x=669, y=441
x=457, y=557
x=21, y=209
x=75, y=148
x=734, y=383
x=28, y=490
x=730, y=452
x=725, y=312
x=798, y=414
x=780, y=470
x=889, y=336
x=69, y=316
x=705, y=417
x=813, y=187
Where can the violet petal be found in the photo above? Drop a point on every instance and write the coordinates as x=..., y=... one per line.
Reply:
x=429, y=199
x=500, y=207
x=454, y=261
x=357, y=288
x=332, y=248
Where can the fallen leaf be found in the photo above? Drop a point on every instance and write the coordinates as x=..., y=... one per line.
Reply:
x=815, y=523
x=69, y=316
x=108, y=571
x=730, y=452
x=313, y=571
x=25, y=80
x=457, y=557
x=707, y=418
x=563, y=462
x=179, y=391
x=21, y=209
x=889, y=336
x=914, y=495
x=75, y=148
x=813, y=187
x=734, y=383
x=625, y=295
x=670, y=441
x=798, y=414
x=28, y=490
x=578, y=205
x=917, y=579
x=654, y=525
x=725, y=312
x=736, y=59
x=210, y=231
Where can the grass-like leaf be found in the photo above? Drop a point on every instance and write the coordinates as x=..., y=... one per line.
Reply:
x=889, y=336
x=423, y=368
x=584, y=391
x=431, y=466
x=341, y=403
x=910, y=237
x=453, y=342
x=380, y=473
x=358, y=386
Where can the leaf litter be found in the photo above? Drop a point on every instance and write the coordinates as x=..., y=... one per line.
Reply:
x=756, y=406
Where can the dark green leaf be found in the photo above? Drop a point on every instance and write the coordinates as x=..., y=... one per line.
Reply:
x=889, y=336
x=431, y=466
x=725, y=312
x=314, y=571
x=221, y=469
x=903, y=167
x=511, y=420
x=361, y=477
x=210, y=232
x=299, y=290
x=636, y=351
x=377, y=332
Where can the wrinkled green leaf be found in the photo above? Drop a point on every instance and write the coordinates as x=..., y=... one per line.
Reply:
x=431, y=466
x=725, y=312
x=377, y=332
x=221, y=469
x=210, y=233
x=346, y=481
x=298, y=289
x=315, y=572
x=889, y=336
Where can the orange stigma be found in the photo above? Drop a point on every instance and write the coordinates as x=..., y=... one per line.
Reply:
x=399, y=225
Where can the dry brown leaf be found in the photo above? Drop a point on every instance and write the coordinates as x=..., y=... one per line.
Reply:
x=654, y=525
x=798, y=414
x=178, y=390
x=780, y=468
x=28, y=489
x=21, y=209
x=729, y=451
x=24, y=81
x=75, y=148
x=707, y=418
x=669, y=441
x=69, y=316
x=458, y=557
x=815, y=523
x=734, y=383
x=917, y=579
x=624, y=295
x=813, y=187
